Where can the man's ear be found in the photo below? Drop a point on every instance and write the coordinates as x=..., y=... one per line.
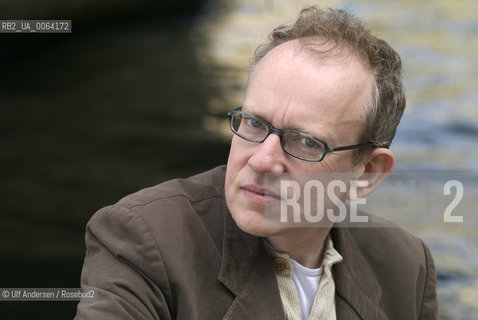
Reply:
x=378, y=166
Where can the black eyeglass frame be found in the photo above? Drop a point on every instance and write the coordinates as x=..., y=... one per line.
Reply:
x=280, y=133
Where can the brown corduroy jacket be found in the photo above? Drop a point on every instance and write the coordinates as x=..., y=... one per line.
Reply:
x=173, y=251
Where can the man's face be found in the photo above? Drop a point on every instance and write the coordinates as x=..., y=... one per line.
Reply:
x=294, y=89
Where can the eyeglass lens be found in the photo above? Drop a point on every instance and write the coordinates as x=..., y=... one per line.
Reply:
x=296, y=143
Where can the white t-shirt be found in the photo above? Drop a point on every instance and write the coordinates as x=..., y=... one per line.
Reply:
x=307, y=283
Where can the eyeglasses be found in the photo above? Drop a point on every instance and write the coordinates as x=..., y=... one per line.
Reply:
x=297, y=144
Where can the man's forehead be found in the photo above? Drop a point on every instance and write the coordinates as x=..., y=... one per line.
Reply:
x=318, y=49
x=293, y=65
x=322, y=93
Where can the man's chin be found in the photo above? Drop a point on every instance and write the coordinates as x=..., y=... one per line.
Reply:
x=258, y=227
x=261, y=232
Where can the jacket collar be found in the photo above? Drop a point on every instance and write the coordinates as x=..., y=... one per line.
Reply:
x=246, y=271
x=357, y=290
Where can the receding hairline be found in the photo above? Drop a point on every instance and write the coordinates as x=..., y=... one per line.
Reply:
x=322, y=49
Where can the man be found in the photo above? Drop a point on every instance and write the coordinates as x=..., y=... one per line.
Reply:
x=323, y=96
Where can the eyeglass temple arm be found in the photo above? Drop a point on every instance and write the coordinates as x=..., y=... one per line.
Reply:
x=355, y=146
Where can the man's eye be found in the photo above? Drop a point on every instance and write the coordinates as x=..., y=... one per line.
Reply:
x=309, y=143
x=253, y=123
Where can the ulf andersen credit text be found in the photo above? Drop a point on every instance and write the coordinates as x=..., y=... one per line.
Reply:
x=46, y=294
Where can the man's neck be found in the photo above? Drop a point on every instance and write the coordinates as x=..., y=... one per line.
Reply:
x=304, y=245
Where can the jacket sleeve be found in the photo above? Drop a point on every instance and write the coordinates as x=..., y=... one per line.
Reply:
x=123, y=263
x=429, y=305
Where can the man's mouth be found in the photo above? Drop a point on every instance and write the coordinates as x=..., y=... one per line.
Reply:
x=260, y=194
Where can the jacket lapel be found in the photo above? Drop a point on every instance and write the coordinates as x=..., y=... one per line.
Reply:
x=358, y=292
x=246, y=271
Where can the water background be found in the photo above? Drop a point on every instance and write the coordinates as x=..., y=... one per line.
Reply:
x=136, y=94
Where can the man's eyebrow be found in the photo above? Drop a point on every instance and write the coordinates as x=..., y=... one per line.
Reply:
x=329, y=140
x=256, y=112
x=262, y=116
x=315, y=135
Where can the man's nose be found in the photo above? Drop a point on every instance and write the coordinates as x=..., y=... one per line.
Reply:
x=268, y=156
